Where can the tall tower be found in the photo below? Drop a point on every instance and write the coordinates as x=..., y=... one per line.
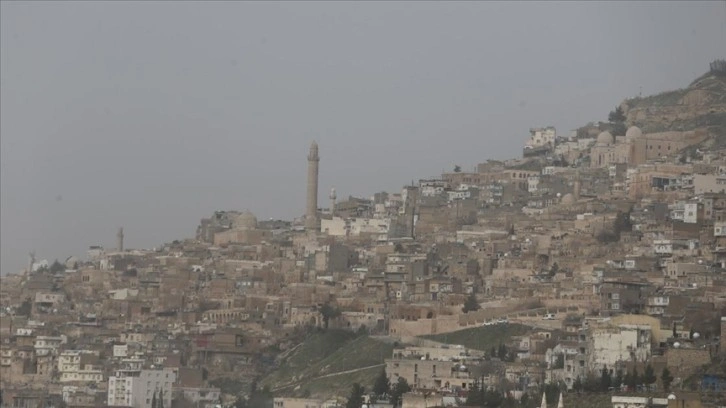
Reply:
x=311, y=213
x=332, y=197
x=120, y=240
x=577, y=186
x=31, y=261
x=410, y=209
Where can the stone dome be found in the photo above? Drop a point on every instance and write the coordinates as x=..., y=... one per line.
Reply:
x=605, y=139
x=633, y=133
x=568, y=199
x=246, y=220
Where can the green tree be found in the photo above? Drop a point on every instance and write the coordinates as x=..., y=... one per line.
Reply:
x=560, y=363
x=502, y=352
x=25, y=308
x=356, y=396
x=525, y=400
x=605, y=379
x=666, y=378
x=57, y=267
x=457, y=169
x=578, y=386
x=552, y=391
x=622, y=223
x=257, y=399
x=632, y=380
x=509, y=402
x=471, y=304
x=617, y=115
x=649, y=375
x=617, y=122
x=382, y=386
x=327, y=311
x=554, y=269
x=475, y=397
x=493, y=398
x=400, y=388
x=618, y=380
x=154, y=401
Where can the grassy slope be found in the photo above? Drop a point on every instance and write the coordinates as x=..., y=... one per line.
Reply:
x=483, y=337
x=328, y=353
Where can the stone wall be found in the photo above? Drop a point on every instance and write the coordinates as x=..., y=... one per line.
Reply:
x=684, y=362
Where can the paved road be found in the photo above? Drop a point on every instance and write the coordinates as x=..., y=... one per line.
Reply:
x=326, y=376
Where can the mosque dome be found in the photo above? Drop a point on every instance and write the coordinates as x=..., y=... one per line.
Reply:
x=246, y=220
x=633, y=133
x=568, y=199
x=605, y=139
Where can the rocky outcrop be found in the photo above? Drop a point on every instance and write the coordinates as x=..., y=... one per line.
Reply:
x=700, y=106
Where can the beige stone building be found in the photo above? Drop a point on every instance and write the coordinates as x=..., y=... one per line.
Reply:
x=244, y=231
x=636, y=148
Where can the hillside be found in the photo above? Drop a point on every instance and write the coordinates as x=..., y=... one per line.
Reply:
x=483, y=337
x=701, y=105
x=327, y=364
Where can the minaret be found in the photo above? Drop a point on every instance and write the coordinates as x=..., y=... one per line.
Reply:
x=577, y=186
x=31, y=261
x=120, y=240
x=332, y=201
x=311, y=213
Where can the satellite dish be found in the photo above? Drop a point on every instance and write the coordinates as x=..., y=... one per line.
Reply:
x=672, y=396
x=696, y=335
x=676, y=345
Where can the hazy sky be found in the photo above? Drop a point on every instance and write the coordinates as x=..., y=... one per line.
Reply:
x=153, y=115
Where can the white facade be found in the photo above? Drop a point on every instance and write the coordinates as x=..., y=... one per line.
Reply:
x=123, y=294
x=719, y=229
x=541, y=137
x=663, y=247
x=637, y=402
x=616, y=344
x=45, y=345
x=136, y=388
x=120, y=350
x=690, y=213
x=354, y=226
x=432, y=188
x=334, y=227
x=532, y=184
x=458, y=195
x=71, y=369
x=709, y=183
x=201, y=397
x=40, y=265
x=53, y=298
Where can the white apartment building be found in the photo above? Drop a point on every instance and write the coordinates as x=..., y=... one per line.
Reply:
x=136, y=388
x=73, y=368
x=45, y=345
x=541, y=137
